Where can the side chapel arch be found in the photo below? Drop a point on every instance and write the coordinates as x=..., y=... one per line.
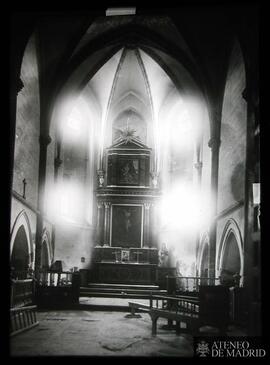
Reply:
x=21, y=235
x=230, y=256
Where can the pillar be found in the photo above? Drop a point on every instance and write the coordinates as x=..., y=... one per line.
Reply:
x=252, y=276
x=107, y=224
x=214, y=144
x=57, y=164
x=44, y=141
x=100, y=208
x=198, y=166
x=146, y=224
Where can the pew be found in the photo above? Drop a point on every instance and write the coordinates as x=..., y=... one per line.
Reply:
x=135, y=306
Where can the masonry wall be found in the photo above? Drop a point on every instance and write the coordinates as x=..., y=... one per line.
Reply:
x=73, y=241
x=26, y=156
x=26, y=149
x=232, y=159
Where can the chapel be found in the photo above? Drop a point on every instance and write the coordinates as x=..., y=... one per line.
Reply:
x=135, y=163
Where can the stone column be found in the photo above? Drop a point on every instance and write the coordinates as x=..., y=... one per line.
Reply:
x=44, y=141
x=214, y=144
x=146, y=224
x=107, y=224
x=57, y=164
x=198, y=166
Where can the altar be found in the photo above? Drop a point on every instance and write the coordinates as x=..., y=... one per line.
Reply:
x=126, y=246
x=124, y=273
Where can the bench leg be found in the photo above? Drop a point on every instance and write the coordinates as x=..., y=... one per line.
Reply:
x=154, y=325
x=170, y=323
x=177, y=327
x=195, y=328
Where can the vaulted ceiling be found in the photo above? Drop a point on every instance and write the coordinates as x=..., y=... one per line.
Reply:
x=199, y=36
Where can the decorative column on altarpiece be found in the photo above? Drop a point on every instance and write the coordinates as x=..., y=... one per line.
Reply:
x=146, y=227
x=100, y=210
x=107, y=224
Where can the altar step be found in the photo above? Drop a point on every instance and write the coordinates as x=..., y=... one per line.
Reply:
x=123, y=286
x=120, y=291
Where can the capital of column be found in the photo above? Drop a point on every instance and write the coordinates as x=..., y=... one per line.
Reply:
x=147, y=206
x=100, y=205
x=44, y=140
x=214, y=143
x=107, y=205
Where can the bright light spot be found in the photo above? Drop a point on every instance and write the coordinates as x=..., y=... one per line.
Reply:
x=65, y=202
x=184, y=209
x=74, y=125
x=182, y=131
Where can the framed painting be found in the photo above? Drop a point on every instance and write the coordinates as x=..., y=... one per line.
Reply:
x=126, y=226
x=128, y=171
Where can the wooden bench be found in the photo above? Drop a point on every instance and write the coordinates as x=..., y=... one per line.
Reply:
x=210, y=308
x=135, y=306
x=164, y=306
x=22, y=319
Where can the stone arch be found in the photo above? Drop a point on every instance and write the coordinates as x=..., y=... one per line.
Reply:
x=203, y=258
x=230, y=255
x=21, y=239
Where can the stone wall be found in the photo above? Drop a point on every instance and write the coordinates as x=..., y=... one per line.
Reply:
x=232, y=159
x=26, y=155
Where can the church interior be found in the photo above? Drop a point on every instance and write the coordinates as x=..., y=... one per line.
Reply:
x=135, y=174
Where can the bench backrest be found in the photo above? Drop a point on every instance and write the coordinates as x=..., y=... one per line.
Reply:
x=214, y=302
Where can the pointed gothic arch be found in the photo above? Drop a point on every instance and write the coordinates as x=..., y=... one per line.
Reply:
x=203, y=258
x=21, y=244
x=230, y=256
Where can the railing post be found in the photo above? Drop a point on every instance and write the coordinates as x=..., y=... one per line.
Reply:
x=12, y=293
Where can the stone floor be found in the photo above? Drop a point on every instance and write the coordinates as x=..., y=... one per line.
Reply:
x=99, y=333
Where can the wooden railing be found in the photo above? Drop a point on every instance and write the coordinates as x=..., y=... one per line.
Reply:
x=52, y=278
x=57, y=289
x=22, y=292
x=184, y=304
x=192, y=283
x=22, y=319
